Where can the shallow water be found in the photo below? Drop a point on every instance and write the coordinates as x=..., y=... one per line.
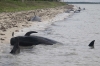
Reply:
x=74, y=33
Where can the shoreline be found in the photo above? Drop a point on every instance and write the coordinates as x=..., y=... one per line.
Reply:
x=16, y=22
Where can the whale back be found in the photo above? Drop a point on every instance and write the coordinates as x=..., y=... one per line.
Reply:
x=43, y=40
x=36, y=18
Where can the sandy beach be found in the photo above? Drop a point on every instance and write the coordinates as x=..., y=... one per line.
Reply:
x=15, y=21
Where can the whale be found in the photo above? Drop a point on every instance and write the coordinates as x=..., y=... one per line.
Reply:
x=28, y=40
x=77, y=11
x=35, y=18
x=91, y=44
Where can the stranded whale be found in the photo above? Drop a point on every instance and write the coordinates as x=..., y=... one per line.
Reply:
x=35, y=18
x=28, y=40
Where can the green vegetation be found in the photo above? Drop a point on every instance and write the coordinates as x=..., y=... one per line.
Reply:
x=19, y=5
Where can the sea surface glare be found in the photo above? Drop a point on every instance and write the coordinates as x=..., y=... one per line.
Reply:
x=75, y=32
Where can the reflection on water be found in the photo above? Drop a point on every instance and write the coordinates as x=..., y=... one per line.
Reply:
x=74, y=33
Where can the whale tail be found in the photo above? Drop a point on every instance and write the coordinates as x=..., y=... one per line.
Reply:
x=91, y=44
x=16, y=48
x=30, y=32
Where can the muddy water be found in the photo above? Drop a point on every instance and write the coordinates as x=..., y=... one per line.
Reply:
x=74, y=33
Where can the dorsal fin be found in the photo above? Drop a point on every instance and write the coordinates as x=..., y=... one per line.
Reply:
x=12, y=34
x=30, y=32
x=92, y=44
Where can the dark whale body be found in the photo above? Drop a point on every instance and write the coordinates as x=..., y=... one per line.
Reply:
x=32, y=40
x=28, y=40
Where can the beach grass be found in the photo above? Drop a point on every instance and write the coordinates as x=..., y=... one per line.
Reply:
x=14, y=6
